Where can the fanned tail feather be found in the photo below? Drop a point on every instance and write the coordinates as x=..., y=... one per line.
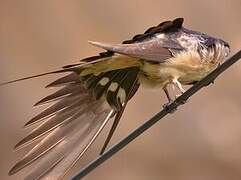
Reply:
x=35, y=76
x=82, y=108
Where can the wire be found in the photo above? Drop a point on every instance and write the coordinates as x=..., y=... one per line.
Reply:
x=168, y=109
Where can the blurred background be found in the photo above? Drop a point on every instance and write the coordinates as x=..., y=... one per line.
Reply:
x=202, y=140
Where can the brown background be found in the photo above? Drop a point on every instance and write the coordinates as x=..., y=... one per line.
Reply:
x=202, y=140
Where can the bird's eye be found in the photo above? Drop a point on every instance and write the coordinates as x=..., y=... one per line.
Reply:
x=226, y=45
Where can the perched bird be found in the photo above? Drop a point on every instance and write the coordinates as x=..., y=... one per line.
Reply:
x=99, y=87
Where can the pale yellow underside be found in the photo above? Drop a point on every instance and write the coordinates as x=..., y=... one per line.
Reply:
x=185, y=67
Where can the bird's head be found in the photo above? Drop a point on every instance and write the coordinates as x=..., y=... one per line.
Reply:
x=214, y=50
x=210, y=48
x=217, y=45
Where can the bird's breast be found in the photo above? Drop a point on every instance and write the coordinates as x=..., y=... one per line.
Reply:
x=186, y=67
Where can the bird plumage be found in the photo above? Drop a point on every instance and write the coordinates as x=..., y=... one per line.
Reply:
x=99, y=87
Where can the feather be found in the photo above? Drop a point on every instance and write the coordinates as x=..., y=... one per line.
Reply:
x=164, y=27
x=60, y=118
x=76, y=154
x=102, y=85
x=112, y=130
x=52, y=110
x=93, y=80
x=151, y=50
x=70, y=78
x=130, y=85
x=153, y=45
x=112, y=91
x=71, y=148
x=78, y=121
x=68, y=90
x=35, y=76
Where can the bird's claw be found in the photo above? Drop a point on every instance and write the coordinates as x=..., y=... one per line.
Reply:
x=177, y=95
x=166, y=106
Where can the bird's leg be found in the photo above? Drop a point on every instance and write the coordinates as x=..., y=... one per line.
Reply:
x=169, y=99
x=167, y=95
x=178, y=85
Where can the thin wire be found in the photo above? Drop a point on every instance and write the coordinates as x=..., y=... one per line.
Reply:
x=168, y=109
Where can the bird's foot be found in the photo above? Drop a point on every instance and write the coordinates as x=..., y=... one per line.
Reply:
x=166, y=106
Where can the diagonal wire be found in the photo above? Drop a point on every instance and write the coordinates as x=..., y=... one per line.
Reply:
x=168, y=109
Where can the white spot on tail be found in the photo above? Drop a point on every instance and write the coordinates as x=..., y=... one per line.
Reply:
x=104, y=81
x=122, y=95
x=113, y=87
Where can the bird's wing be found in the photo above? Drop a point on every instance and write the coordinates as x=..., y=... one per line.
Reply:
x=153, y=50
x=154, y=45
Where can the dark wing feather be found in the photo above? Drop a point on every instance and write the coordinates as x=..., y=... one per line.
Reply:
x=145, y=46
x=129, y=84
x=154, y=45
x=112, y=91
x=99, y=89
x=71, y=78
x=112, y=130
x=164, y=27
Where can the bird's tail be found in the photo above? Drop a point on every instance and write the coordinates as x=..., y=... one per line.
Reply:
x=90, y=65
x=34, y=76
x=90, y=95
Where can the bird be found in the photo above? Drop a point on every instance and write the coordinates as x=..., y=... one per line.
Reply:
x=98, y=88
